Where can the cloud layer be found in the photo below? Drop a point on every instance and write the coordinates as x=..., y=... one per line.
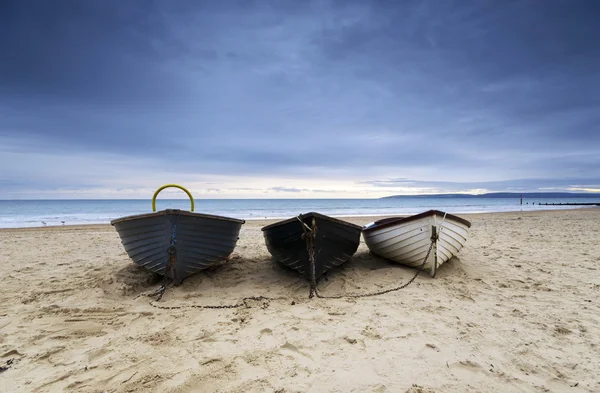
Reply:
x=319, y=98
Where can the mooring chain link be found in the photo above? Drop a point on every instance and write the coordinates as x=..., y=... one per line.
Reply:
x=309, y=236
x=171, y=263
x=358, y=295
x=243, y=303
x=160, y=291
x=171, y=266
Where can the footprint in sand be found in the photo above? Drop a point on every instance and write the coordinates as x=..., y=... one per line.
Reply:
x=96, y=353
x=418, y=389
x=267, y=337
x=291, y=350
x=212, y=365
x=379, y=388
x=46, y=355
x=466, y=369
x=371, y=333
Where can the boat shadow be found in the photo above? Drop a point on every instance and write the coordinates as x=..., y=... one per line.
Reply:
x=238, y=276
x=453, y=267
x=365, y=264
x=264, y=276
x=129, y=280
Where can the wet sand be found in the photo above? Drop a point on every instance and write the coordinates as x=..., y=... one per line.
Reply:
x=516, y=311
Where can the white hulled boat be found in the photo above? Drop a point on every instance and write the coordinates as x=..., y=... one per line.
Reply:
x=407, y=240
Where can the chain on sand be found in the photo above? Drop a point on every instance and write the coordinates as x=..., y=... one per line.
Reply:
x=243, y=303
x=309, y=236
x=158, y=293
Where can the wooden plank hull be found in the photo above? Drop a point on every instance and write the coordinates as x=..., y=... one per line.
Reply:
x=407, y=240
x=201, y=240
x=335, y=242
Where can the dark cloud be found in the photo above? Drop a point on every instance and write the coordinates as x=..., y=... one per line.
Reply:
x=96, y=51
x=306, y=89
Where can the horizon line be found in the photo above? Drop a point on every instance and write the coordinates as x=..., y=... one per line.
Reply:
x=516, y=194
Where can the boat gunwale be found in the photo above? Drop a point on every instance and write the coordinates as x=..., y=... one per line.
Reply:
x=167, y=212
x=312, y=214
x=391, y=221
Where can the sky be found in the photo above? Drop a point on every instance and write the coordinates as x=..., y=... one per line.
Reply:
x=298, y=99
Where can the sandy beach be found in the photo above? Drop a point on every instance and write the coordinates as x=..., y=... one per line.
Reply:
x=517, y=311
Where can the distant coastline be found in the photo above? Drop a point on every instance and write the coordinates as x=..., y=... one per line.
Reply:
x=504, y=195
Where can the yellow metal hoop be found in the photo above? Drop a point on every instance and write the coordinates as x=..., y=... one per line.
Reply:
x=171, y=185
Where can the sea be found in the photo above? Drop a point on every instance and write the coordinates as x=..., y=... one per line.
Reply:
x=35, y=213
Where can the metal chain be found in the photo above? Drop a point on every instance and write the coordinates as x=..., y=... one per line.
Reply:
x=171, y=264
x=358, y=295
x=310, y=234
x=242, y=303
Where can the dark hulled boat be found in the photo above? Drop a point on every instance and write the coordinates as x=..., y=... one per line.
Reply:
x=177, y=243
x=335, y=241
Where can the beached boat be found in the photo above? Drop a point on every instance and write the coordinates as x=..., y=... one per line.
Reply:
x=335, y=241
x=177, y=243
x=407, y=240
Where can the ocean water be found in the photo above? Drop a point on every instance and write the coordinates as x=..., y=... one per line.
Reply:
x=32, y=213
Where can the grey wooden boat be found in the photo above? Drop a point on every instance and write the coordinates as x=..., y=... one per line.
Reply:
x=335, y=241
x=177, y=243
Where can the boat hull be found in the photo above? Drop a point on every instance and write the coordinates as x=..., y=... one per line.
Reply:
x=334, y=243
x=407, y=240
x=200, y=241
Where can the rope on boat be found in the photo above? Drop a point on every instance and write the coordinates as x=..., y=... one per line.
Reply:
x=310, y=234
x=442, y=225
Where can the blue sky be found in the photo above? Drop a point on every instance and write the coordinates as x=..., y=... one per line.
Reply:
x=272, y=99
